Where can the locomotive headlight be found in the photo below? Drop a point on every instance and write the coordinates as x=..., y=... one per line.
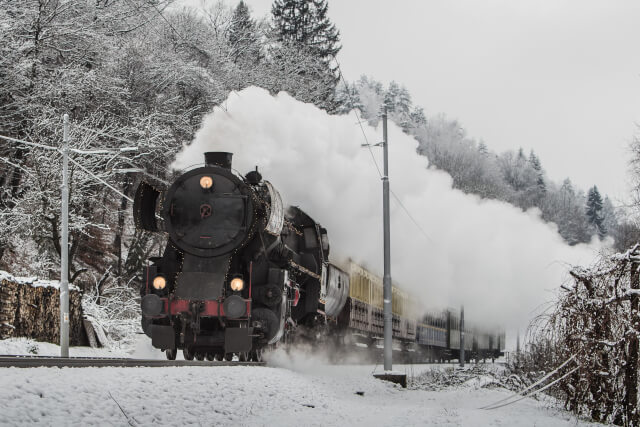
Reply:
x=159, y=282
x=237, y=284
x=206, y=182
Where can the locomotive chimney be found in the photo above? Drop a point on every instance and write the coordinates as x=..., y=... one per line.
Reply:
x=218, y=158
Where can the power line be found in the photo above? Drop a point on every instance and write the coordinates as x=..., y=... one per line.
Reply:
x=355, y=111
x=107, y=151
x=168, y=23
x=100, y=180
x=106, y=135
x=159, y=12
x=48, y=147
x=31, y=144
x=411, y=217
x=15, y=165
x=77, y=151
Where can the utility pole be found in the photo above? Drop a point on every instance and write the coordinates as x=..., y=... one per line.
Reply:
x=462, y=336
x=64, y=244
x=387, y=293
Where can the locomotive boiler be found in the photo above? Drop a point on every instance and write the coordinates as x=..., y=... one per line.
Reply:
x=239, y=270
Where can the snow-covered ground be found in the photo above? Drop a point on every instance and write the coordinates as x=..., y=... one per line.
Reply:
x=26, y=346
x=293, y=390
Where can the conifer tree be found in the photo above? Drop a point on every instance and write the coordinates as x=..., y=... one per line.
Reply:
x=347, y=98
x=594, y=211
x=535, y=164
x=305, y=34
x=243, y=38
x=305, y=24
x=391, y=96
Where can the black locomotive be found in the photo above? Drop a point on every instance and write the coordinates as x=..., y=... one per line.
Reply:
x=239, y=271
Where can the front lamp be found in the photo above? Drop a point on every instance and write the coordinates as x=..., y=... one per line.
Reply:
x=159, y=282
x=206, y=182
x=237, y=284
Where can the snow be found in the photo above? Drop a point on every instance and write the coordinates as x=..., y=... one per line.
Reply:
x=27, y=346
x=328, y=395
x=291, y=390
x=32, y=281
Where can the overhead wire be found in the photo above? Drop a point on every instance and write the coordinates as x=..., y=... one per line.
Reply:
x=133, y=147
x=15, y=165
x=368, y=145
x=415, y=222
x=100, y=180
x=107, y=135
x=355, y=111
x=31, y=144
x=159, y=12
x=169, y=23
x=51, y=148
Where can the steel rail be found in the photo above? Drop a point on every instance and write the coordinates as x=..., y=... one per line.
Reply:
x=15, y=361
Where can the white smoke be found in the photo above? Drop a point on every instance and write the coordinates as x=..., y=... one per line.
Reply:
x=500, y=262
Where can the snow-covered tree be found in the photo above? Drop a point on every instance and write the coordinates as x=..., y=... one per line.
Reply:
x=594, y=212
x=595, y=323
x=534, y=161
x=609, y=217
x=520, y=176
x=305, y=24
x=418, y=119
x=348, y=98
x=565, y=207
x=301, y=75
x=243, y=36
x=306, y=45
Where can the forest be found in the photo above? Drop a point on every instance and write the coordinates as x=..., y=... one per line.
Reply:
x=142, y=73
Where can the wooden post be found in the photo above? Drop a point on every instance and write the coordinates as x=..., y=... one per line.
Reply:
x=631, y=374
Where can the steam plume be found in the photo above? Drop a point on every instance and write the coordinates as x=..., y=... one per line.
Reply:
x=500, y=262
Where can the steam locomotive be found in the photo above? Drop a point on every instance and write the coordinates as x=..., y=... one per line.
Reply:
x=241, y=272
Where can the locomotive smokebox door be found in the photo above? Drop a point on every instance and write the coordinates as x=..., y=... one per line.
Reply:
x=237, y=340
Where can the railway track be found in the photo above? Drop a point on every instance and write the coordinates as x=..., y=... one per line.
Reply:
x=8, y=361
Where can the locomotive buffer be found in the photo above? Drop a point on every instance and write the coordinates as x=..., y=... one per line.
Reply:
x=388, y=374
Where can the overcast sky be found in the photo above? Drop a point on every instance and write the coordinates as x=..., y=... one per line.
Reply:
x=561, y=77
